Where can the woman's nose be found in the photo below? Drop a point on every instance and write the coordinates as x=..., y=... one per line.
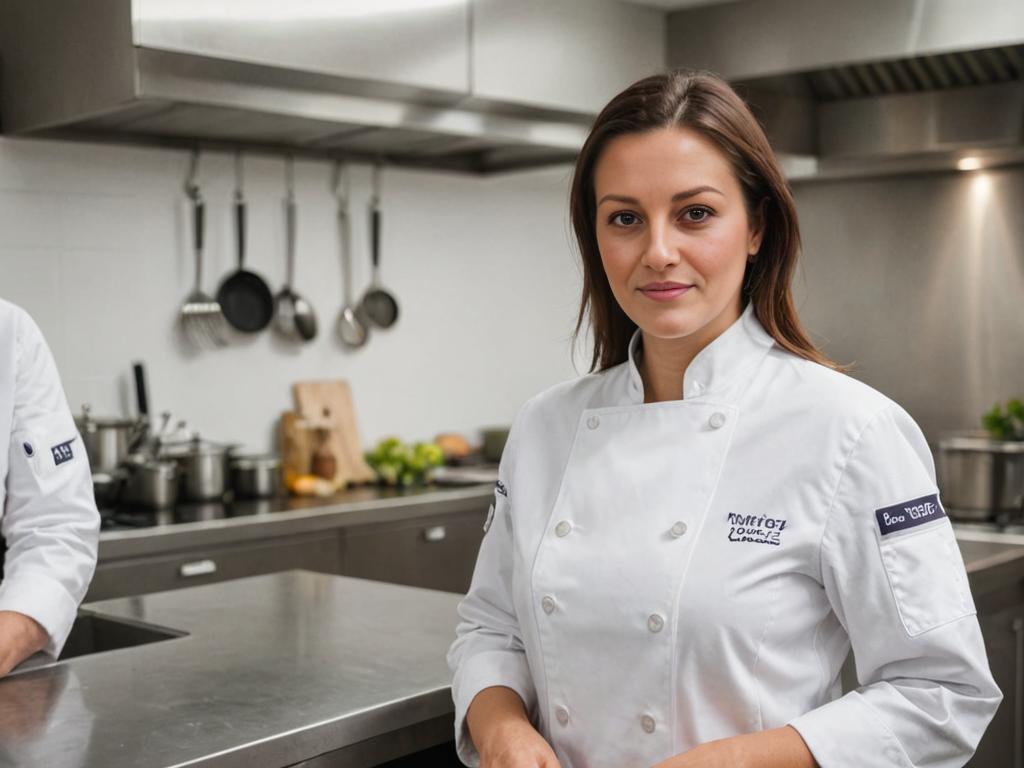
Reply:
x=659, y=252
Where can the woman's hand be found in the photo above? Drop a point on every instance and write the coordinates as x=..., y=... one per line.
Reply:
x=775, y=748
x=20, y=637
x=517, y=745
x=503, y=734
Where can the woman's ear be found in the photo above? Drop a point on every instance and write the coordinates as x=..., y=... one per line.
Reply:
x=757, y=229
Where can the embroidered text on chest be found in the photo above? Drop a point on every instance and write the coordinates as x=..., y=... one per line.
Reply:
x=756, y=528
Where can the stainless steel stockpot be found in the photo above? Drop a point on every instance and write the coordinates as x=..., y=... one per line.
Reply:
x=202, y=469
x=107, y=441
x=982, y=479
x=255, y=477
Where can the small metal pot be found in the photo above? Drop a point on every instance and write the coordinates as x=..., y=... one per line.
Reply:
x=982, y=479
x=202, y=469
x=256, y=477
x=106, y=441
x=151, y=483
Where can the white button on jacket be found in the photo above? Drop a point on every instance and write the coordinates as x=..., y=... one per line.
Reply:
x=49, y=518
x=812, y=522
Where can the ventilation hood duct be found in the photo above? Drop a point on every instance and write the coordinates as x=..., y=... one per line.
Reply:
x=379, y=79
x=872, y=87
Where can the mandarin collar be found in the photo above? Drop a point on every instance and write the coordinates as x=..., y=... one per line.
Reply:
x=716, y=366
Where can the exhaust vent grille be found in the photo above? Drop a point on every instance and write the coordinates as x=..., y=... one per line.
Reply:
x=919, y=74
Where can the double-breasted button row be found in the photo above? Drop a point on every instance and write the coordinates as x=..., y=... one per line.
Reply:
x=655, y=622
x=594, y=422
x=562, y=715
x=563, y=528
x=717, y=420
x=647, y=723
x=547, y=603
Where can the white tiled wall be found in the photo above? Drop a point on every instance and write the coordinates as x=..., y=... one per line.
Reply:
x=95, y=242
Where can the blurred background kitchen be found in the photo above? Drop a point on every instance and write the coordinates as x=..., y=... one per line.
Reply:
x=900, y=124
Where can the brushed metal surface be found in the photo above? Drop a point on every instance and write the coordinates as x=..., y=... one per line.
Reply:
x=420, y=44
x=569, y=55
x=770, y=37
x=918, y=281
x=275, y=670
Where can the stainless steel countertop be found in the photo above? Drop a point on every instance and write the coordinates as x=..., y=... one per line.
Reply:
x=275, y=669
x=287, y=516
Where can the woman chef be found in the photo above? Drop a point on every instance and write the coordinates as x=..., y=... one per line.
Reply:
x=685, y=544
x=49, y=518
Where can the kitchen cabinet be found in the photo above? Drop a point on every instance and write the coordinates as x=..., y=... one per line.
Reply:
x=1001, y=615
x=437, y=552
x=320, y=552
x=569, y=56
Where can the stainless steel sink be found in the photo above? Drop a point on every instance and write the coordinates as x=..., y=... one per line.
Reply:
x=93, y=633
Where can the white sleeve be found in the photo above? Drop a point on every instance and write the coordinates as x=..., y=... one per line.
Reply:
x=896, y=580
x=488, y=648
x=50, y=521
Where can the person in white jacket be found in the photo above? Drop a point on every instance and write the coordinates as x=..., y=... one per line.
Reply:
x=49, y=518
x=686, y=542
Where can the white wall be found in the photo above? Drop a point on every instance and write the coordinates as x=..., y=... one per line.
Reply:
x=95, y=242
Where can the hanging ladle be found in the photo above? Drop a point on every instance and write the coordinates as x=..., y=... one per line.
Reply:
x=294, y=316
x=351, y=330
x=377, y=306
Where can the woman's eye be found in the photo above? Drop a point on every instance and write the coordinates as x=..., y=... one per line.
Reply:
x=705, y=213
x=624, y=219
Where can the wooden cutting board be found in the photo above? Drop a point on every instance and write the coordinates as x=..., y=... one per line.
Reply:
x=329, y=402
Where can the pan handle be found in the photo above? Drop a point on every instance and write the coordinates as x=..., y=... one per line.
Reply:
x=198, y=211
x=375, y=222
x=240, y=227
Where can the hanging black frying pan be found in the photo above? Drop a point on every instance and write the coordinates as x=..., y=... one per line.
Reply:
x=244, y=296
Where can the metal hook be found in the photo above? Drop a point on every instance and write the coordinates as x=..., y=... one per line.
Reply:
x=376, y=183
x=191, y=183
x=289, y=176
x=342, y=182
x=238, y=174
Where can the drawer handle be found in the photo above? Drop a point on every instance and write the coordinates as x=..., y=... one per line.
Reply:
x=198, y=568
x=435, y=533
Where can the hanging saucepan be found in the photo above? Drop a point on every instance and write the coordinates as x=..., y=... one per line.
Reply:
x=377, y=306
x=244, y=296
x=295, y=317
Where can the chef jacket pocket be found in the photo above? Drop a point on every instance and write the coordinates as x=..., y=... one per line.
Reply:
x=927, y=578
x=47, y=446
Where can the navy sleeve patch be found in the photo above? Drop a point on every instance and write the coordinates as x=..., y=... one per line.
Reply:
x=500, y=488
x=908, y=514
x=62, y=452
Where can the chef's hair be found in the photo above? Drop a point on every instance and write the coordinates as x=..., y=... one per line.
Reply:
x=704, y=102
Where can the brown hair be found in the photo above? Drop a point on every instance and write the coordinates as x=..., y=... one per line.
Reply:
x=704, y=102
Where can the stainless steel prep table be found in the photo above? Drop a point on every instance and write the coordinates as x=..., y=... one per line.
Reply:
x=274, y=670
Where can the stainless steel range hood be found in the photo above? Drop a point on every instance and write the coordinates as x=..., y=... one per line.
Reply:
x=870, y=87
x=384, y=80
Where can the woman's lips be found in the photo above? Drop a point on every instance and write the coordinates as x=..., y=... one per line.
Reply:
x=665, y=294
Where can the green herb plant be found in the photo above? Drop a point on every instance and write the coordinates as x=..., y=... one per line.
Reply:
x=1005, y=422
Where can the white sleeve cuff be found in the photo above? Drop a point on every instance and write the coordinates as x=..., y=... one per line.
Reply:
x=43, y=598
x=846, y=733
x=484, y=670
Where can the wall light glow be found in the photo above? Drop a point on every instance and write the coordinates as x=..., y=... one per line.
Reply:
x=968, y=164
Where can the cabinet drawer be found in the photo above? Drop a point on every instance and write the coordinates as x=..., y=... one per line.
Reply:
x=436, y=553
x=138, y=576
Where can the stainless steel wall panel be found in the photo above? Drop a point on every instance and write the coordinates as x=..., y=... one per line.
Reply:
x=418, y=44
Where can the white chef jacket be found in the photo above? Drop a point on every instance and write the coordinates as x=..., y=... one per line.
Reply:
x=49, y=517
x=656, y=576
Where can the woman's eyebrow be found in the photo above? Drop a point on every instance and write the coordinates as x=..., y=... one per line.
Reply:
x=675, y=198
